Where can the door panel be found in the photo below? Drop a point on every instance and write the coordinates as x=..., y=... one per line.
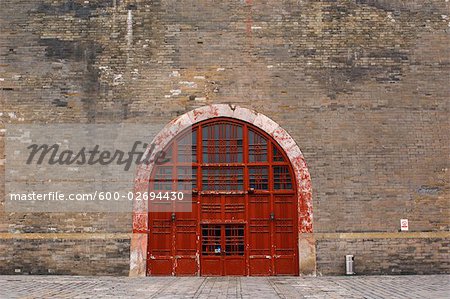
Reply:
x=234, y=266
x=161, y=266
x=259, y=235
x=211, y=266
x=260, y=266
x=211, y=246
x=172, y=244
x=159, y=261
x=186, y=266
x=186, y=243
x=211, y=207
x=285, y=265
x=234, y=207
x=234, y=254
x=223, y=250
x=285, y=239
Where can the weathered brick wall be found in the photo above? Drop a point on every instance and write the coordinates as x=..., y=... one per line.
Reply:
x=362, y=86
x=384, y=256
x=65, y=256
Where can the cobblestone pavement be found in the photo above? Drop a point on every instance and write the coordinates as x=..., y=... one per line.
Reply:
x=430, y=286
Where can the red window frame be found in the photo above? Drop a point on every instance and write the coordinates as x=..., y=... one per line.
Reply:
x=275, y=159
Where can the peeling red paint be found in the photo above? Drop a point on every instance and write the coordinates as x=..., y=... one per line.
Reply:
x=140, y=222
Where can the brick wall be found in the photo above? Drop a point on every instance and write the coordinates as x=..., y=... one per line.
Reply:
x=65, y=256
x=362, y=86
x=384, y=256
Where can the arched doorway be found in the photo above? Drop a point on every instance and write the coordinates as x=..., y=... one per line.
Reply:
x=252, y=210
x=244, y=205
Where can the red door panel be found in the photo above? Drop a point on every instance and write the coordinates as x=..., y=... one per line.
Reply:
x=234, y=207
x=211, y=247
x=186, y=244
x=234, y=254
x=285, y=265
x=211, y=207
x=234, y=266
x=285, y=235
x=211, y=266
x=159, y=261
x=172, y=244
x=160, y=266
x=259, y=235
x=260, y=266
x=186, y=266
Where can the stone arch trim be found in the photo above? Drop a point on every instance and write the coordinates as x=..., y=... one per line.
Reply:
x=307, y=255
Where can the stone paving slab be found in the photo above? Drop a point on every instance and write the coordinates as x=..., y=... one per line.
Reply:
x=417, y=286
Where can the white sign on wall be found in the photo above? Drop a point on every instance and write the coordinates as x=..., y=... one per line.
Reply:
x=404, y=226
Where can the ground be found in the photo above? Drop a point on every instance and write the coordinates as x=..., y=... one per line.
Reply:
x=417, y=286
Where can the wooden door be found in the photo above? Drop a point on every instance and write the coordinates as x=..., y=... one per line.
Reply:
x=244, y=218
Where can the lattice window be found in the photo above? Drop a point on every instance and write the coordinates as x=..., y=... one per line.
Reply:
x=222, y=143
x=168, y=155
x=187, y=148
x=220, y=160
x=186, y=178
x=277, y=156
x=223, y=179
x=234, y=240
x=257, y=147
x=211, y=240
x=281, y=178
x=163, y=178
x=259, y=177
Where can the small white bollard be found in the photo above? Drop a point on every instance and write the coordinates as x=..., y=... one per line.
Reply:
x=349, y=264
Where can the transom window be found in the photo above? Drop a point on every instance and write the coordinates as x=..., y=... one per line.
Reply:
x=224, y=155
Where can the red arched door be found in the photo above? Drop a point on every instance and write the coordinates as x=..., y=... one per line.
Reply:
x=244, y=205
